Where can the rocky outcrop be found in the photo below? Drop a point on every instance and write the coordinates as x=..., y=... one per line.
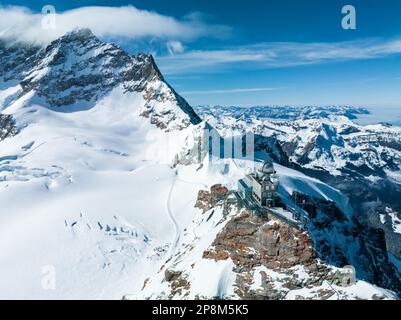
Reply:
x=253, y=241
x=7, y=127
x=258, y=246
x=209, y=199
x=177, y=282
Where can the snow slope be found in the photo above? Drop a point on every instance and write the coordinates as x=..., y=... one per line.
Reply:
x=81, y=191
x=83, y=181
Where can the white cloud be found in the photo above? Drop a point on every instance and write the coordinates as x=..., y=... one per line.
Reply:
x=126, y=22
x=228, y=91
x=204, y=61
x=278, y=54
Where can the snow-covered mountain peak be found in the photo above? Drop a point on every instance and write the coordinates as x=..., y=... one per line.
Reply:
x=77, y=70
x=79, y=34
x=327, y=137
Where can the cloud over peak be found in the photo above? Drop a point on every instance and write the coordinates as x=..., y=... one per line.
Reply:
x=123, y=22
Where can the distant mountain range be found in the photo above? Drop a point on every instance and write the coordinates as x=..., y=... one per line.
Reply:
x=282, y=112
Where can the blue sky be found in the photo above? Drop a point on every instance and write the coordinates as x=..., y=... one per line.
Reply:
x=255, y=52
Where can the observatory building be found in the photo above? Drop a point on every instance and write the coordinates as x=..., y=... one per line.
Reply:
x=261, y=185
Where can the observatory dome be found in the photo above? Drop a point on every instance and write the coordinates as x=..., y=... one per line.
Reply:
x=267, y=168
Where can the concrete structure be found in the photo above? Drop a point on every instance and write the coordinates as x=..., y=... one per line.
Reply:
x=244, y=188
x=261, y=185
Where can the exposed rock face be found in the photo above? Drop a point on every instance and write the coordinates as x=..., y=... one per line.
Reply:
x=163, y=94
x=219, y=191
x=253, y=242
x=207, y=200
x=7, y=127
x=177, y=282
x=275, y=244
x=341, y=240
x=15, y=59
x=369, y=199
x=272, y=148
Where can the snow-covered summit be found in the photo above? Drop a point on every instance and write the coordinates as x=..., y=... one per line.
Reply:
x=75, y=71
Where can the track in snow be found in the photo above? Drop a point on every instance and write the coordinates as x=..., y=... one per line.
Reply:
x=177, y=236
